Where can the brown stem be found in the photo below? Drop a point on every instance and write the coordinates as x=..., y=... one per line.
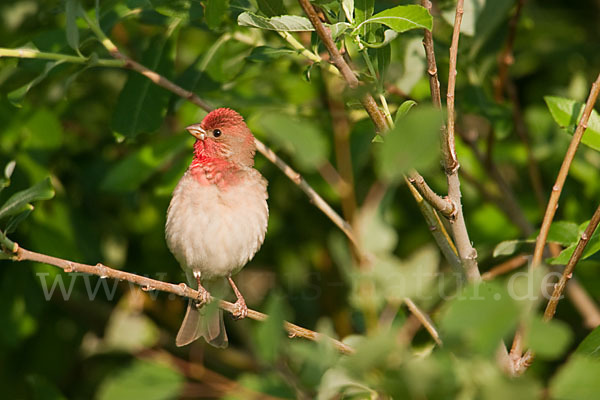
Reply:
x=441, y=204
x=467, y=253
x=568, y=271
x=180, y=290
x=424, y=320
x=507, y=266
x=432, y=71
x=563, y=172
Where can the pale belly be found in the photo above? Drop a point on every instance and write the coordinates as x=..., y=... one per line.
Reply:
x=217, y=231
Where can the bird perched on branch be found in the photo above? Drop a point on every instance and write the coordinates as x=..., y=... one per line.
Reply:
x=217, y=218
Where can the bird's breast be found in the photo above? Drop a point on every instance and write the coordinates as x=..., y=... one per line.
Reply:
x=216, y=230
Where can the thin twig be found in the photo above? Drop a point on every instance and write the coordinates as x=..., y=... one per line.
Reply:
x=468, y=254
x=181, y=290
x=32, y=53
x=568, y=271
x=424, y=319
x=432, y=70
x=563, y=172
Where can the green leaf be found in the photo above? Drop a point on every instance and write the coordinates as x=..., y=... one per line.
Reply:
x=17, y=203
x=72, y=12
x=284, y=23
x=577, y=379
x=339, y=29
x=549, y=339
x=43, y=389
x=508, y=247
x=16, y=96
x=479, y=317
x=141, y=105
x=404, y=109
x=590, y=346
x=413, y=143
x=567, y=113
x=563, y=232
x=270, y=334
x=299, y=137
x=592, y=248
x=348, y=7
x=363, y=10
x=132, y=171
x=388, y=36
x=15, y=220
x=8, y=171
x=266, y=53
x=215, y=12
x=271, y=8
x=142, y=380
x=402, y=18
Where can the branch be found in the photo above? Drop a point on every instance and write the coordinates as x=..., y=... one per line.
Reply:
x=367, y=100
x=568, y=271
x=32, y=53
x=434, y=82
x=441, y=204
x=423, y=319
x=181, y=290
x=562, y=174
x=467, y=253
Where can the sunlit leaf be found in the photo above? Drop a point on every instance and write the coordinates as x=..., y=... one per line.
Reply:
x=404, y=109
x=567, y=113
x=402, y=18
x=15, y=220
x=285, y=23
x=508, y=247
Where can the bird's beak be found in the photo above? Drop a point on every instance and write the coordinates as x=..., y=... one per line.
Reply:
x=196, y=131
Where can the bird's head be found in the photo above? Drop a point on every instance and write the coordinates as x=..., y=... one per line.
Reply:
x=223, y=136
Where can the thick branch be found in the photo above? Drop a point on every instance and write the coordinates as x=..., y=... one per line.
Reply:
x=568, y=271
x=467, y=253
x=562, y=174
x=182, y=290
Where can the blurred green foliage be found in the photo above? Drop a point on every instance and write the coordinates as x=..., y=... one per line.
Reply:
x=110, y=146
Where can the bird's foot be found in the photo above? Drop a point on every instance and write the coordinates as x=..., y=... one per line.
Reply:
x=241, y=309
x=203, y=297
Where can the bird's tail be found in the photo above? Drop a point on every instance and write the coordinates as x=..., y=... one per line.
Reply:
x=206, y=322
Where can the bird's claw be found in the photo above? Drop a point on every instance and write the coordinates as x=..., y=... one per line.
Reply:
x=203, y=298
x=240, y=309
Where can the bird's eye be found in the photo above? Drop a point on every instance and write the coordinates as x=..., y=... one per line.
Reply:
x=217, y=133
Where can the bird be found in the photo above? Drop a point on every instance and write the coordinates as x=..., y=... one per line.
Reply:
x=217, y=219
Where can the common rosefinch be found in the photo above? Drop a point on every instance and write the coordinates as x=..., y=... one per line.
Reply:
x=217, y=218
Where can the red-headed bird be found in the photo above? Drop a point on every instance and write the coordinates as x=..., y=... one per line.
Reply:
x=217, y=218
